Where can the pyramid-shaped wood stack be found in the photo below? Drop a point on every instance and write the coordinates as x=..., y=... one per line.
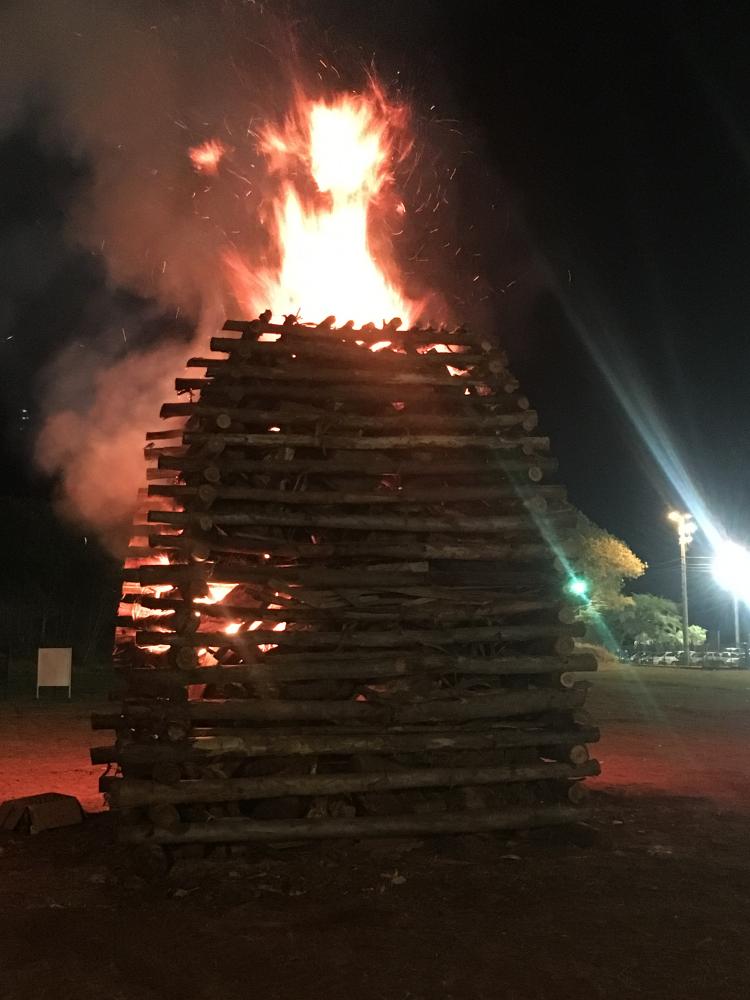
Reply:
x=358, y=623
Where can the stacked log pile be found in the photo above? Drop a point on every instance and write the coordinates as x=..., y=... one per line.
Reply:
x=344, y=610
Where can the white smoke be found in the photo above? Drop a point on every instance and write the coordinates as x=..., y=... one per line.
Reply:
x=126, y=88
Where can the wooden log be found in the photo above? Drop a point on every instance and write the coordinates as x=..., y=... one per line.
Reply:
x=475, y=575
x=318, y=742
x=472, y=706
x=526, y=419
x=164, y=816
x=387, y=375
x=404, y=467
x=347, y=351
x=370, y=667
x=160, y=475
x=511, y=494
x=502, y=552
x=373, y=640
x=413, y=337
x=166, y=772
x=164, y=435
x=460, y=523
x=419, y=824
x=430, y=612
x=576, y=753
x=131, y=792
x=237, y=388
x=239, y=744
x=577, y=793
x=341, y=442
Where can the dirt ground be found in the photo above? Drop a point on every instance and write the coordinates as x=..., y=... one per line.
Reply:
x=651, y=899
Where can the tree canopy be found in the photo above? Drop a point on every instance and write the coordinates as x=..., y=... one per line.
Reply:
x=607, y=563
x=650, y=620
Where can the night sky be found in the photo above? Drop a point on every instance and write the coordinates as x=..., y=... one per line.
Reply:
x=613, y=147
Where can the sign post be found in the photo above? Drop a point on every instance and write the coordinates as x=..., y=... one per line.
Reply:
x=54, y=668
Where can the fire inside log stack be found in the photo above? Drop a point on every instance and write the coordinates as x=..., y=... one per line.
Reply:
x=343, y=612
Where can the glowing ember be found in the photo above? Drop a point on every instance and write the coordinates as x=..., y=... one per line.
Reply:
x=138, y=612
x=156, y=590
x=265, y=647
x=207, y=157
x=216, y=593
x=233, y=628
x=343, y=149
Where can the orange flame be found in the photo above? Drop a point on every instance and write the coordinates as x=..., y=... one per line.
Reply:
x=216, y=593
x=155, y=590
x=342, y=150
x=207, y=157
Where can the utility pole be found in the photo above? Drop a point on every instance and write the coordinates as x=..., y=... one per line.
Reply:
x=736, y=621
x=686, y=528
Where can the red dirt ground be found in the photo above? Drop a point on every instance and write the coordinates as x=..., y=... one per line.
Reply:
x=652, y=899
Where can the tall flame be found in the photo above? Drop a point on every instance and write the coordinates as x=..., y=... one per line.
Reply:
x=334, y=160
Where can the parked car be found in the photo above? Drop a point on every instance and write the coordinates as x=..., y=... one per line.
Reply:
x=640, y=657
x=731, y=656
x=712, y=659
x=727, y=658
x=666, y=659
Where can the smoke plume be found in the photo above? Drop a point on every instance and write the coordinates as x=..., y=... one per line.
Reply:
x=127, y=93
x=128, y=88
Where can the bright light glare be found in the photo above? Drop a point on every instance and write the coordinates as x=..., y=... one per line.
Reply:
x=731, y=569
x=578, y=587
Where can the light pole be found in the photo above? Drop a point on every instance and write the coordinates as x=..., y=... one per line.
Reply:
x=731, y=568
x=736, y=621
x=686, y=528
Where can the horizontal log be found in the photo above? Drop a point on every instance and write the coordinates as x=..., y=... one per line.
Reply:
x=509, y=493
x=394, y=639
x=164, y=435
x=237, y=388
x=348, y=351
x=508, y=552
x=164, y=816
x=563, y=646
x=428, y=612
x=317, y=742
x=370, y=334
x=461, y=523
x=470, y=706
x=398, y=422
x=131, y=792
x=154, y=475
x=369, y=668
x=384, y=375
x=406, y=469
x=418, y=824
x=421, y=574
x=340, y=442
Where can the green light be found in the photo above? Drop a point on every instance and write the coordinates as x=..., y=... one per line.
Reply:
x=578, y=586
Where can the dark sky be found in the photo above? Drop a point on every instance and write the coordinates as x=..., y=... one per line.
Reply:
x=619, y=145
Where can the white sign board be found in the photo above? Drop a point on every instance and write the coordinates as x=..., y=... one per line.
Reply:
x=54, y=667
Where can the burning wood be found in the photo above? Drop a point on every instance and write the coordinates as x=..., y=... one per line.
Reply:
x=343, y=590
x=362, y=589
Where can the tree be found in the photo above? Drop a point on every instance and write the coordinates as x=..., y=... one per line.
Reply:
x=606, y=563
x=652, y=621
x=697, y=636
